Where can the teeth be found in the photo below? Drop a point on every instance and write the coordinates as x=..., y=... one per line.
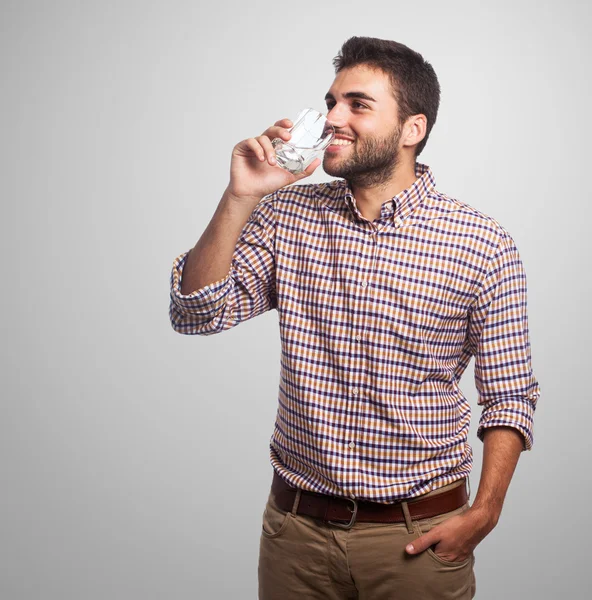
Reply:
x=339, y=142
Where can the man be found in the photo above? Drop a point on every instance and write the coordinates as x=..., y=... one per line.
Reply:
x=385, y=288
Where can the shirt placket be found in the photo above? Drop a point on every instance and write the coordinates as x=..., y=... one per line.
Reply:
x=360, y=327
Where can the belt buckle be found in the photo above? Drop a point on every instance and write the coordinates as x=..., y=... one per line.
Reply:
x=352, y=520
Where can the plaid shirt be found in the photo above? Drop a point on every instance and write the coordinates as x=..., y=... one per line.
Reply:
x=378, y=321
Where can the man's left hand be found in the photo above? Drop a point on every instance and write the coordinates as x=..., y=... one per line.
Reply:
x=456, y=538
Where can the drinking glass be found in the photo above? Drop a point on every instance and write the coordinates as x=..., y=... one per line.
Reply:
x=311, y=134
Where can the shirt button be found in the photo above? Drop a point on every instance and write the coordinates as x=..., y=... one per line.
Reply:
x=352, y=445
x=364, y=284
x=358, y=338
x=398, y=222
x=355, y=391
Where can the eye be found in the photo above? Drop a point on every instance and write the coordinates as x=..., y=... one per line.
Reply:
x=358, y=105
x=330, y=105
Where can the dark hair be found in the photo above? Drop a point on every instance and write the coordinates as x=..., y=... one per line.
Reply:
x=414, y=82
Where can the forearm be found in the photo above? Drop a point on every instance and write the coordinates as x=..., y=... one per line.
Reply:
x=210, y=259
x=456, y=538
x=502, y=449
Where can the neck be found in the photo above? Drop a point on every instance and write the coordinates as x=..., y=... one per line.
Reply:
x=370, y=198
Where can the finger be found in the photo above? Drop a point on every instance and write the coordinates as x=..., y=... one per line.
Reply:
x=422, y=543
x=284, y=123
x=254, y=146
x=265, y=143
x=277, y=132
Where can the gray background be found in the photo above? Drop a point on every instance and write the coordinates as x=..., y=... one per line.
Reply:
x=133, y=460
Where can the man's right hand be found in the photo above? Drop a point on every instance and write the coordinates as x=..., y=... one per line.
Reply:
x=253, y=169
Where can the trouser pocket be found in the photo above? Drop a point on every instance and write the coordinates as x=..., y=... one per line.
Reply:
x=275, y=520
x=424, y=525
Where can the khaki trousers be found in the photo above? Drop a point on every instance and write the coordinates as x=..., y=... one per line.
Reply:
x=301, y=558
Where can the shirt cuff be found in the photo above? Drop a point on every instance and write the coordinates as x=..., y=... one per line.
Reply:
x=205, y=302
x=509, y=412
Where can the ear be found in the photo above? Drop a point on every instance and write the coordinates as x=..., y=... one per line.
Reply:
x=414, y=130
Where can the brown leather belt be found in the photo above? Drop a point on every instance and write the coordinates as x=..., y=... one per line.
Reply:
x=344, y=512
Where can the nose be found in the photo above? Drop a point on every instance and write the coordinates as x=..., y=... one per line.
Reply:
x=336, y=116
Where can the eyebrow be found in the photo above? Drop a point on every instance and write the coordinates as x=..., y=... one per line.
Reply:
x=360, y=95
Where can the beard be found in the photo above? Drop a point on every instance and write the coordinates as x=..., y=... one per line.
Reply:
x=371, y=164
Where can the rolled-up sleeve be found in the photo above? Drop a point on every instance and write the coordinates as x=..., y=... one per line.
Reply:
x=499, y=338
x=247, y=291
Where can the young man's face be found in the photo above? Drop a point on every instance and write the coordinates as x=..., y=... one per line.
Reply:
x=362, y=108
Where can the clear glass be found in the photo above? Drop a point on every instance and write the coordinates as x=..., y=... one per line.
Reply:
x=311, y=134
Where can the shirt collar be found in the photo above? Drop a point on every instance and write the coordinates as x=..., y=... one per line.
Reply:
x=339, y=197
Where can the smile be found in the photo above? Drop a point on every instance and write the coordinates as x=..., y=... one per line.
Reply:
x=341, y=142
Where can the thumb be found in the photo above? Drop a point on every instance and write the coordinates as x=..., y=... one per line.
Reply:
x=310, y=169
x=422, y=543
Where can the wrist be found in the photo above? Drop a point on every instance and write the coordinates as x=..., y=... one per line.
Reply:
x=241, y=199
x=485, y=518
